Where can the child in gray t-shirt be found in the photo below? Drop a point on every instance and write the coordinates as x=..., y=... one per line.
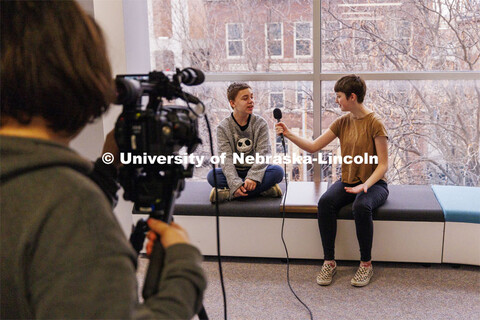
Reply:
x=244, y=134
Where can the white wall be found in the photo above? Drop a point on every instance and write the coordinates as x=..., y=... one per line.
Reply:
x=125, y=27
x=109, y=15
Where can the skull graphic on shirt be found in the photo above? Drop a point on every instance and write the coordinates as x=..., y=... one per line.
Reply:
x=244, y=145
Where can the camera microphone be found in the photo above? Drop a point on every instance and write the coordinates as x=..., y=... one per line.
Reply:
x=192, y=76
x=277, y=114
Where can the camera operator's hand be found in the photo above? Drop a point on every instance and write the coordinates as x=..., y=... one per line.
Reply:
x=250, y=185
x=169, y=234
x=111, y=146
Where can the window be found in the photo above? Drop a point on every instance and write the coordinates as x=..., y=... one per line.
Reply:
x=303, y=39
x=276, y=95
x=274, y=40
x=419, y=72
x=234, y=39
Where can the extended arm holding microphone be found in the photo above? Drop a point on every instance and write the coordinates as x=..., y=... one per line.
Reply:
x=305, y=144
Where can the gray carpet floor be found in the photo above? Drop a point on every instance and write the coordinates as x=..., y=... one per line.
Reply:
x=257, y=289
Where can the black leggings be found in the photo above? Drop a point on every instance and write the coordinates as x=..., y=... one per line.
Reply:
x=334, y=199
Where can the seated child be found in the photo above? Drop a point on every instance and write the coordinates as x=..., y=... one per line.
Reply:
x=247, y=133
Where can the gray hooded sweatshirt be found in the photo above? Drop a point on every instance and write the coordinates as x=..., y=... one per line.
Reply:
x=63, y=254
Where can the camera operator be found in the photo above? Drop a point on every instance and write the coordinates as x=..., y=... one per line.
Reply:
x=63, y=254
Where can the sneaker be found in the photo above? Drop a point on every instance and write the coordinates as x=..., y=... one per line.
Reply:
x=223, y=195
x=325, y=276
x=273, y=192
x=362, y=277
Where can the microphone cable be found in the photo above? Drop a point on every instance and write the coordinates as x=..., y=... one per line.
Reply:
x=282, y=234
x=203, y=316
x=217, y=210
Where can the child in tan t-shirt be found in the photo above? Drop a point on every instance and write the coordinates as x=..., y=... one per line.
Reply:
x=362, y=134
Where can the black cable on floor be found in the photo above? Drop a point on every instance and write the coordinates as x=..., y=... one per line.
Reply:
x=217, y=210
x=285, y=245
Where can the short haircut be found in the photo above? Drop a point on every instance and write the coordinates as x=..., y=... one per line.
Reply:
x=235, y=88
x=352, y=84
x=54, y=65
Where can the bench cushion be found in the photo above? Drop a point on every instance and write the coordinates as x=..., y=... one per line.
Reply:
x=459, y=204
x=405, y=203
x=194, y=201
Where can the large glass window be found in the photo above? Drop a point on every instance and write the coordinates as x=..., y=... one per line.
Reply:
x=253, y=36
x=300, y=120
x=407, y=35
x=417, y=56
x=432, y=128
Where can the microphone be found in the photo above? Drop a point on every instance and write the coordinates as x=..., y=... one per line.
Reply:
x=192, y=76
x=277, y=114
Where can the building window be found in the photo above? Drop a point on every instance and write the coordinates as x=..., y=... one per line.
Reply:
x=276, y=95
x=274, y=36
x=234, y=39
x=303, y=39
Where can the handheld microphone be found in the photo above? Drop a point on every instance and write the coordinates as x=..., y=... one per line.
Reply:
x=277, y=114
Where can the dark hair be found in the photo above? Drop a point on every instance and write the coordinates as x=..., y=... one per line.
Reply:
x=54, y=65
x=235, y=88
x=352, y=84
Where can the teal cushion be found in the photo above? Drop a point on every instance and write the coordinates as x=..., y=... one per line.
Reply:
x=459, y=204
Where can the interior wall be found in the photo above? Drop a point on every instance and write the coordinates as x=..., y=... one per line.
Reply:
x=109, y=15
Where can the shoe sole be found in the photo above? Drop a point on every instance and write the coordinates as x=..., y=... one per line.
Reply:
x=357, y=284
x=327, y=283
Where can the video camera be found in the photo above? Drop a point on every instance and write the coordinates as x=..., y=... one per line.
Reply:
x=155, y=128
x=146, y=127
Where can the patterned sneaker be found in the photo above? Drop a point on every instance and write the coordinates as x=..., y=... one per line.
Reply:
x=362, y=277
x=223, y=195
x=325, y=276
x=273, y=192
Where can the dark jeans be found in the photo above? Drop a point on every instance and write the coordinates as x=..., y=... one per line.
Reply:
x=273, y=175
x=334, y=199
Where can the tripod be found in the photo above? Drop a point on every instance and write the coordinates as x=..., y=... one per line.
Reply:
x=137, y=237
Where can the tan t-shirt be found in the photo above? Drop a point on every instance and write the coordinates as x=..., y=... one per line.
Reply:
x=357, y=138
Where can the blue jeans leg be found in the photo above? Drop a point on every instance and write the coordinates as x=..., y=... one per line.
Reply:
x=273, y=175
x=221, y=179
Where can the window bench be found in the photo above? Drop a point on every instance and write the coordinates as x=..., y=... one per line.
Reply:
x=409, y=227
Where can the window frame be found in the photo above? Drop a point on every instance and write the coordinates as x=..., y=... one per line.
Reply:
x=133, y=32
